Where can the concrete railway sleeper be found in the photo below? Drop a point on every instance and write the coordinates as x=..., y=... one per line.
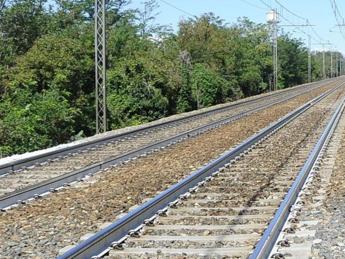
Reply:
x=223, y=208
x=17, y=188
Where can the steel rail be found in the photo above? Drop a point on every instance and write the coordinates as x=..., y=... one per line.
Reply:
x=49, y=155
x=100, y=243
x=271, y=234
x=50, y=185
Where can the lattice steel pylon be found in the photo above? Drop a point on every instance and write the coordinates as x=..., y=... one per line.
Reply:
x=272, y=18
x=100, y=67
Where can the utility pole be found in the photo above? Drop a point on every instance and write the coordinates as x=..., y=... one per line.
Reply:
x=323, y=65
x=336, y=65
x=307, y=24
x=309, y=58
x=323, y=62
x=323, y=57
x=100, y=67
x=275, y=57
x=341, y=67
x=323, y=44
x=272, y=18
x=331, y=63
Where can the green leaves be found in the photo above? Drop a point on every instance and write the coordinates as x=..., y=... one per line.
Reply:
x=207, y=86
x=22, y=23
x=45, y=120
x=135, y=94
x=47, y=68
x=293, y=62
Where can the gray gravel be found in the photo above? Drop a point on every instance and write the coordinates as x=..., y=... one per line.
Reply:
x=331, y=231
x=313, y=229
x=62, y=218
x=31, y=176
x=264, y=175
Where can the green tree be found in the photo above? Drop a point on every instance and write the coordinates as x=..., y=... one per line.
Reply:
x=293, y=62
x=29, y=122
x=47, y=67
x=21, y=24
x=135, y=95
x=185, y=99
x=64, y=64
x=207, y=86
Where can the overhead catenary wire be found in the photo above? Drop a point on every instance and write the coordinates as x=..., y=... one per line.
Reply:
x=337, y=11
x=267, y=5
x=177, y=8
x=317, y=35
x=253, y=5
x=300, y=17
x=338, y=17
x=289, y=11
x=298, y=27
x=319, y=38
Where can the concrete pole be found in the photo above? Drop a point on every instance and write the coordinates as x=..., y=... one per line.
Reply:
x=331, y=63
x=309, y=58
x=323, y=63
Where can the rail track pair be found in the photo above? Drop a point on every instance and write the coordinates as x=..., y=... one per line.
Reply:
x=36, y=184
x=197, y=192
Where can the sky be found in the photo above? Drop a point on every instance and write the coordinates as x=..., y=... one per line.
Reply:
x=318, y=12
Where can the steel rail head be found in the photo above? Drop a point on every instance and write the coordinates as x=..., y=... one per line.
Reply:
x=270, y=236
x=102, y=240
x=35, y=159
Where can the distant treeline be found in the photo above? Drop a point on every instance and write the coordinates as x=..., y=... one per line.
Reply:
x=47, y=68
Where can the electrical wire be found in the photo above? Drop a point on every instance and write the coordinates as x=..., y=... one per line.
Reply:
x=338, y=11
x=178, y=8
x=267, y=5
x=317, y=35
x=319, y=40
x=253, y=5
x=338, y=17
x=289, y=11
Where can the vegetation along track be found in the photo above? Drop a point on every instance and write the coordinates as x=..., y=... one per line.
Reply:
x=44, y=226
x=226, y=213
x=36, y=180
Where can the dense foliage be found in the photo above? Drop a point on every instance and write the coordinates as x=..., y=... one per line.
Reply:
x=47, y=68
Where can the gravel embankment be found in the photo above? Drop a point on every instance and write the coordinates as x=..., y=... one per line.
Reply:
x=299, y=235
x=43, y=227
x=331, y=231
x=239, y=202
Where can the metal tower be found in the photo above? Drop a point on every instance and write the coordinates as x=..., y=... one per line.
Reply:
x=323, y=64
x=323, y=44
x=331, y=63
x=100, y=67
x=309, y=59
x=272, y=19
x=307, y=24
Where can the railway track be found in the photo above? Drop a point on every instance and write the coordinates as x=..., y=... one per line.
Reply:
x=45, y=227
x=35, y=181
x=223, y=208
x=310, y=232
x=100, y=142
